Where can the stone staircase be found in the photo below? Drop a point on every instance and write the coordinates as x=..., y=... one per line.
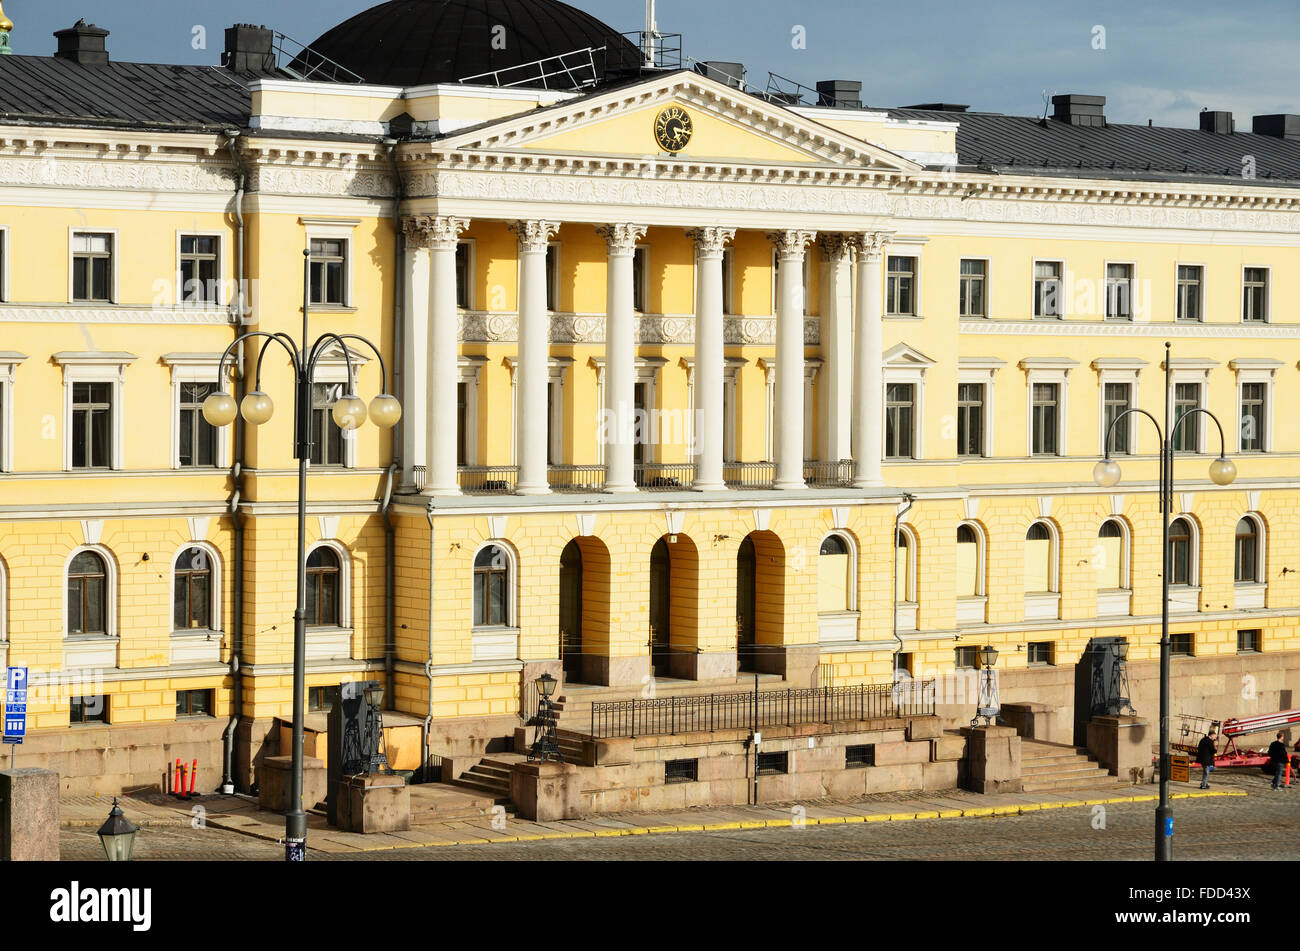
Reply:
x=573, y=704
x=490, y=776
x=1052, y=766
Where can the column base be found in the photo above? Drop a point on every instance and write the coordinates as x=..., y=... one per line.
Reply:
x=794, y=484
x=615, y=489
x=708, y=486
x=532, y=490
x=868, y=483
x=445, y=491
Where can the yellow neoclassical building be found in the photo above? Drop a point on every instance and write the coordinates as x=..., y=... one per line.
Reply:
x=701, y=381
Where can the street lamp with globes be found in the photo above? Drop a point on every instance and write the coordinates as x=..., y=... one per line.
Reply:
x=1107, y=474
x=349, y=414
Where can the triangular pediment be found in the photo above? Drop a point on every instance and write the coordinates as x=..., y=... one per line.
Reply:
x=727, y=126
x=902, y=355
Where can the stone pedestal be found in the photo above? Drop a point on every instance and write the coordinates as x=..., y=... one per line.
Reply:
x=275, y=779
x=1031, y=720
x=29, y=815
x=993, y=760
x=378, y=802
x=545, y=792
x=1121, y=743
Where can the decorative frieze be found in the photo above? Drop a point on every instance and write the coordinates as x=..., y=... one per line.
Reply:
x=480, y=327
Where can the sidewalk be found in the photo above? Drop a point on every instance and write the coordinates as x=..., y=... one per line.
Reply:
x=239, y=814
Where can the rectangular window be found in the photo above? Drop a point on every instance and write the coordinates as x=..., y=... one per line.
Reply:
x=463, y=275
x=681, y=771
x=900, y=420
x=1248, y=642
x=328, y=274
x=92, y=709
x=462, y=393
x=1182, y=645
x=902, y=665
x=199, y=269
x=318, y=699
x=1119, y=291
x=1047, y=288
x=974, y=280
x=1117, y=399
x=1190, y=278
x=1253, y=396
x=970, y=419
x=193, y=703
x=640, y=280
x=92, y=425
x=1254, y=288
x=552, y=277
x=92, y=267
x=1187, y=437
x=1046, y=419
x=326, y=436
x=773, y=763
x=197, y=437
x=967, y=658
x=900, y=286
x=728, y=273
x=856, y=757
x=1040, y=653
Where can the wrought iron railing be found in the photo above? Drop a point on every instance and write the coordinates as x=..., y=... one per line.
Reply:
x=756, y=709
x=576, y=478
x=302, y=62
x=838, y=474
x=577, y=69
x=664, y=477
x=488, y=480
x=749, y=475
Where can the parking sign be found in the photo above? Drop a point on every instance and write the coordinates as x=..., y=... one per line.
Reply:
x=15, y=714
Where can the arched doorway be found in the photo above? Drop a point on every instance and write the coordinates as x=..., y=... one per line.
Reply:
x=747, y=606
x=571, y=611
x=661, y=587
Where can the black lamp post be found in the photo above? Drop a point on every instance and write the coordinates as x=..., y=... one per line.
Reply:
x=1107, y=474
x=547, y=744
x=118, y=835
x=349, y=413
x=988, y=707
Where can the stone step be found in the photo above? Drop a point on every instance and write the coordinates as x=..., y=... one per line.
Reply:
x=1058, y=769
x=1093, y=782
x=495, y=790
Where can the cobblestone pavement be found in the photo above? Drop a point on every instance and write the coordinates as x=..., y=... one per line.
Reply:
x=1258, y=826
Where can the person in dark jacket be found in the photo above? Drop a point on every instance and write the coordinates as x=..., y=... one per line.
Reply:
x=1205, y=756
x=1277, y=755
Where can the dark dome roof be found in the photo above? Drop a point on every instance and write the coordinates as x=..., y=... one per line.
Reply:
x=417, y=42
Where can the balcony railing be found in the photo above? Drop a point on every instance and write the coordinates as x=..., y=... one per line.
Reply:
x=838, y=474
x=664, y=477
x=576, y=478
x=751, y=711
x=488, y=480
x=749, y=475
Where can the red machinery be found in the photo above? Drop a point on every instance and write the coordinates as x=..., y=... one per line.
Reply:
x=1191, y=729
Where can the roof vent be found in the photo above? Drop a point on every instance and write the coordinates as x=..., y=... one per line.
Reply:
x=839, y=94
x=733, y=74
x=82, y=43
x=1281, y=126
x=249, y=49
x=1217, y=121
x=1080, y=110
x=938, y=107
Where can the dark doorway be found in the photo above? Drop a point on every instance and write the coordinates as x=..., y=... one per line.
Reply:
x=661, y=585
x=571, y=611
x=747, y=606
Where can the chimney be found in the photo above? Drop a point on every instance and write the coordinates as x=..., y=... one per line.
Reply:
x=1217, y=122
x=839, y=94
x=248, y=49
x=1080, y=110
x=83, y=44
x=733, y=74
x=1281, y=126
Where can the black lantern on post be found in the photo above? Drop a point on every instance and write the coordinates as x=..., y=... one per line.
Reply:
x=118, y=835
x=547, y=744
x=988, y=707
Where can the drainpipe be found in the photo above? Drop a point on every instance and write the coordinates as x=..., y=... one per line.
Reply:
x=428, y=665
x=908, y=498
x=390, y=633
x=236, y=472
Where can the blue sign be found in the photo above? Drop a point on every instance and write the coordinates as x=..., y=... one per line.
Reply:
x=15, y=715
x=1169, y=826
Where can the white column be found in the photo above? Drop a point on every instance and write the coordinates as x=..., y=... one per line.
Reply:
x=835, y=381
x=620, y=358
x=709, y=358
x=534, y=350
x=441, y=373
x=415, y=347
x=790, y=248
x=868, y=359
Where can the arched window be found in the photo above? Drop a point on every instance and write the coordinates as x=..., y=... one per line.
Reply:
x=87, y=594
x=905, y=566
x=1248, y=561
x=324, y=588
x=192, y=590
x=1182, y=555
x=1040, y=558
x=492, y=587
x=970, y=562
x=835, y=587
x=1110, y=559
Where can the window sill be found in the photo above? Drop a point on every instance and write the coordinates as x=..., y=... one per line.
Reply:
x=329, y=643
x=494, y=643
x=906, y=317
x=331, y=309
x=198, y=646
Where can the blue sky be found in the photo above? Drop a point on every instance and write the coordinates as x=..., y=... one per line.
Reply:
x=1163, y=60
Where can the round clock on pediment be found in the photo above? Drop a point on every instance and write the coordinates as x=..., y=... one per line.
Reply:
x=673, y=129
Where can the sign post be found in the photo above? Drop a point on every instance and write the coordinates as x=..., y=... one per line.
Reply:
x=15, y=712
x=1180, y=769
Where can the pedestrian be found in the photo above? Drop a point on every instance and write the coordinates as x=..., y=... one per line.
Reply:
x=1205, y=756
x=1277, y=755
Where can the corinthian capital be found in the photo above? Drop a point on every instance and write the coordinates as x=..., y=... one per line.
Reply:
x=621, y=238
x=836, y=248
x=870, y=245
x=433, y=231
x=791, y=244
x=710, y=242
x=534, y=235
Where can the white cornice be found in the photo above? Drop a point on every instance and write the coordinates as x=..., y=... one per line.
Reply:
x=1115, y=328
x=64, y=314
